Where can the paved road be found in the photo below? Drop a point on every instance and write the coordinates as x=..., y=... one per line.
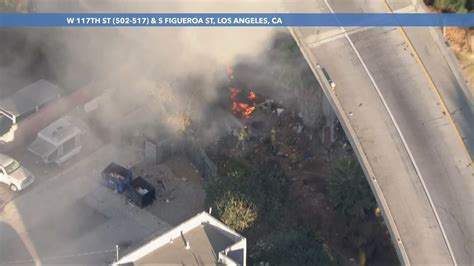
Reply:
x=440, y=160
x=457, y=99
x=440, y=66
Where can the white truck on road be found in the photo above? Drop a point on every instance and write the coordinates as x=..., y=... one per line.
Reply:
x=13, y=174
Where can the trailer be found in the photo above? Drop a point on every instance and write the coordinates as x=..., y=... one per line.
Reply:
x=141, y=192
x=27, y=126
x=116, y=177
x=58, y=142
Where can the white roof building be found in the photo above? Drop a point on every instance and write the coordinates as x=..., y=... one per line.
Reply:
x=201, y=240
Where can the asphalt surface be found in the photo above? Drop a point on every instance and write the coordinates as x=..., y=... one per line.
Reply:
x=434, y=148
x=458, y=100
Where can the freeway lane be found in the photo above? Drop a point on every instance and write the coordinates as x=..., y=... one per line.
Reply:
x=457, y=100
x=436, y=57
x=431, y=138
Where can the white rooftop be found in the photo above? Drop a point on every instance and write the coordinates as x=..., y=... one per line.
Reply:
x=201, y=240
x=59, y=132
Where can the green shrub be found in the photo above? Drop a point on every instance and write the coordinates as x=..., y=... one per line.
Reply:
x=450, y=6
x=252, y=185
x=236, y=211
x=293, y=247
x=429, y=2
x=348, y=190
x=470, y=5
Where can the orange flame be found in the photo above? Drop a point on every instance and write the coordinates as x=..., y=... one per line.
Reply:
x=252, y=96
x=240, y=108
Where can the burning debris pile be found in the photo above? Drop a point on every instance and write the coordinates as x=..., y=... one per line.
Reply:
x=244, y=103
x=274, y=126
x=241, y=108
x=259, y=130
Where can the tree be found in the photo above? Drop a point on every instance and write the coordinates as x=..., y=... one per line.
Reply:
x=470, y=5
x=450, y=6
x=299, y=246
x=236, y=211
x=299, y=78
x=307, y=98
x=349, y=191
x=253, y=185
x=429, y=2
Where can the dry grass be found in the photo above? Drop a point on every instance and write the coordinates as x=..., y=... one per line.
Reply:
x=460, y=43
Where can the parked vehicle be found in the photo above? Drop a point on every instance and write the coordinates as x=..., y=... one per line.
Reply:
x=13, y=174
x=25, y=128
x=141, y=192
x=330, y=81
x=58, y=142
x=116, y=177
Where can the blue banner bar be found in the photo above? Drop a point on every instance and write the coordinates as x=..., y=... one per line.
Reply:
x=232, y=20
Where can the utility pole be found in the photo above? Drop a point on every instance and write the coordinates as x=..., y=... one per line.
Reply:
x=117, y=253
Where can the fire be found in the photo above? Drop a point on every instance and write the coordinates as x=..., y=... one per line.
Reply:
x=240, y=108
x=252, y=96
x=243, y=109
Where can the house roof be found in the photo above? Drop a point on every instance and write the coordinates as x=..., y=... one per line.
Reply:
x=205, y=242
x=202, y=240
x=28, y=98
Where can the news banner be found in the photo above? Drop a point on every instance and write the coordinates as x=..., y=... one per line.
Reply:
x=234, y=19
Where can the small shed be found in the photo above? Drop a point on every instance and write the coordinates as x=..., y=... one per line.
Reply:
x=58, y=142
